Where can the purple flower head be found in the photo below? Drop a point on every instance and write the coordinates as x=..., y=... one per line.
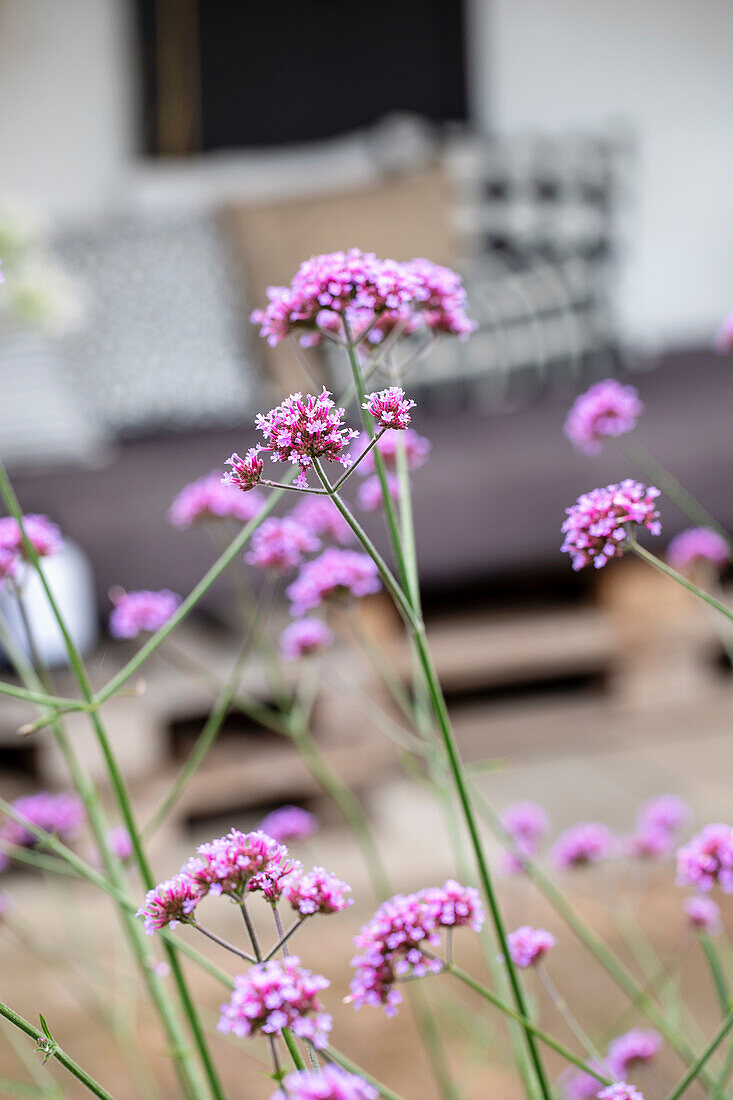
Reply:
x=120, y=842
x=583, y=1086
x=703, y=914
x=650, y=842
x=43, y=534
x=303, y=429
x=724, y=337
x=390, y=408
x=317, y=891
x=61, y=814
x=393, y=944
x=620, y=1091
x=9, y=562
x=707, y=859
x=597, y=525
x=607, y=408
x=334, y=573
x=335, y=290
x=289, y=823
x=514, y=859
x=135, y=612
x=228, y=864
x=279, y=544
x=526, y=820
x=528, y=946
x=443, y=300
x=245, y=472
x=170, y=902
x=369, y=496
x=586, y=842
x=697, y=544
x=329, y=1083
x=303, y=638
x=417, y=449
x=667, y=812
x=274, y=995
x=322, y=518
x=634, y=1048
x=211, y=498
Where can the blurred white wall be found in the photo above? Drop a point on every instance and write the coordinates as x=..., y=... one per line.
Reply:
x=67, y=100
x=662, y=67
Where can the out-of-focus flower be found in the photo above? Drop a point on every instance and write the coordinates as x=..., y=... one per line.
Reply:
x=330, y=1082
x=597, y=525
x=394, y=943
x=607, y=409
x=707, y=859
x=620, y=1091
x=279, y=544
x=634, y=1048
x=334, y=573
x=650, y=842
x=321, y=516
x=317, y=891
x=583, y=1086
x=135, y=612
x=275, y=995
x=303, y=638
x=245, y=472
x=210, y=498
x=668, y=812
x=304, y=429
x=42, y=533
x=528, y=946
x=703, y=914
x=417, y=448
x=586, y=842
x=289, y=823
x=390, y=408
x=9, y=563
x=61, y=814
x=369, y=495
x=442, y=307
x=698, y=544
x=120, y=842
x=724, y=337
x=526, y=820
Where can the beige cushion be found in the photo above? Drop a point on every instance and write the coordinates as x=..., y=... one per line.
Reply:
x=400, y=218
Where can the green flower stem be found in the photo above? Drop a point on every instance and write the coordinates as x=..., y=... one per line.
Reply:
x=569, y=1017
x=525, y=1021
x=717, y=972
x=661, y=477
x=292, y=1046
x=39, y=698
x=657, y=563
x=224, y=560
x=698, y=1065
x=613, y=966
x=112, y=865
x=721, y=1083
x=455, y=764
x=51, y=1049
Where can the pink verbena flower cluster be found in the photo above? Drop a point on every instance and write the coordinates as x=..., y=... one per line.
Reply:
x=528, y=946
x=390, y=408
x=303, y=638
x=317, y=891
x=330, y=1082
x=658, y=820
x=43, y=535
x=245, y=472
x=703, y=914
x=275, y=995
x=527, y=823
x=334, y=573
x=348, y=294
x=707, y=860
x=169, y=903
x=620, y=1091
x=607, y=409
x=279, y=544
x=634, y=1048
x=417, y=448
x=597, y=525
x=393, y=944
x=586, y=842
x=210, y=498
x=698, y=544
x=289, y=823
x=60, y=814
x=303, y=429
x=584, y=1086
x=320, y=516
x=135, y=612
